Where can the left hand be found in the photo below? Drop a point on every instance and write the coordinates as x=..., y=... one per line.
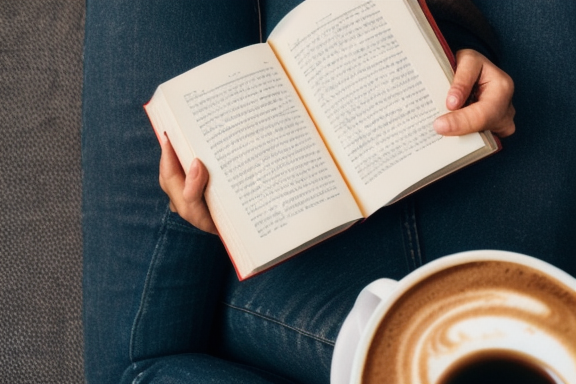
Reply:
x=493, y=90
x=186, y=191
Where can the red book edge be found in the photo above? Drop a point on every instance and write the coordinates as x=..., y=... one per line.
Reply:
x=439, y=36
x=447, y=51
x=157, y=133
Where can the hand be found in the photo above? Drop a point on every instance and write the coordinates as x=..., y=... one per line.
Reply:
x=186, y=192
x=493, y=90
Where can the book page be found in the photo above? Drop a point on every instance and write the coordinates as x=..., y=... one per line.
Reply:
x=374, y=88
x=273, y=184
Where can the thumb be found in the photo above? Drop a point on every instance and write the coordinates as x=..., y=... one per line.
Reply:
x=196, y=210
x=466, y=78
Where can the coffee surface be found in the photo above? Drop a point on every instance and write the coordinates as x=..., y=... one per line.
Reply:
x=497, y=367
x=423, y=321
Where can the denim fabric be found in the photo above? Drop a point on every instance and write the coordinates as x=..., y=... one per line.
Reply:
x=524, y=198
x=196, y=369
x=161, y=301
x=129, y=240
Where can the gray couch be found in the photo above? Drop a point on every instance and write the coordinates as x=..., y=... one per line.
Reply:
x=40, y=191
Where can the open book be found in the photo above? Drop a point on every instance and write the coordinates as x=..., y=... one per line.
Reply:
x=319, y=127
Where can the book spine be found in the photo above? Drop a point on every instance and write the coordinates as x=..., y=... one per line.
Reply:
x=448, y=51
x=147, y=109
x=438, y=33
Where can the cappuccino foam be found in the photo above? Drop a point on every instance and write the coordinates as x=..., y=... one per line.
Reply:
x=423, y=320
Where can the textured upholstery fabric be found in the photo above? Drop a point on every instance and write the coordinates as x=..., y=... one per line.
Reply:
x=40, y=191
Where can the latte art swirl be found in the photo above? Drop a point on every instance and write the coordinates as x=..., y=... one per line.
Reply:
x=454, y=325
x=492, y=305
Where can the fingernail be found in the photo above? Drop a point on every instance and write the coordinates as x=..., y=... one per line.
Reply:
x=194, y=169
x=164, y=138
x=440, y=125
x=452, y=101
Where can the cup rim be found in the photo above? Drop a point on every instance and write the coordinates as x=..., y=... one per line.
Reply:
x=430, y=269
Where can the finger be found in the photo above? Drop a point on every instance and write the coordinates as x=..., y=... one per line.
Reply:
x=174, y=183
x=493, y=111
x=172, y=176
x=495, y=99
x=466, y=120
x=510, y=128
x=480, y=116
x=196, y=211
x=466, y=77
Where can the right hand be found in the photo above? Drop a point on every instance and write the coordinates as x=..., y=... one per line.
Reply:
x=493, y=109
x=186, y=192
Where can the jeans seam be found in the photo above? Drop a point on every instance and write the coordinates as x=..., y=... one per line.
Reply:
x=144, y=295
x=411, y=237
x=275, y=321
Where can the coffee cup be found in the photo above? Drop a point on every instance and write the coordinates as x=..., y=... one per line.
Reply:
x=473, y=317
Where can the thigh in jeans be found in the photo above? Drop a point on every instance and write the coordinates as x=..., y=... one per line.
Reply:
x=131, y=47
x=286, y=320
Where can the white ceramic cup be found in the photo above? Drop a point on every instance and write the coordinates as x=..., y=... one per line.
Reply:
x=463, y=335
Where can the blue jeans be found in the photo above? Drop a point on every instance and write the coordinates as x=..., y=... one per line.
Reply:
x=161, y=301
